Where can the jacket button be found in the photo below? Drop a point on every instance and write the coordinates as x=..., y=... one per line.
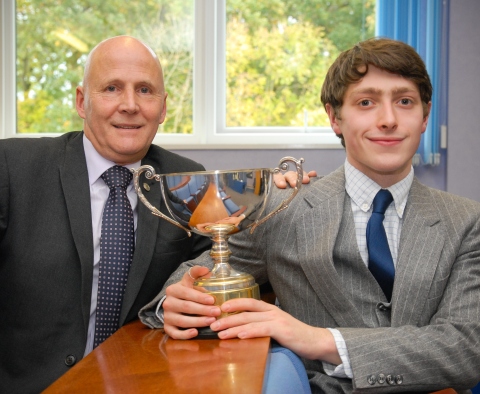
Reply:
x=399, y=379
x=372, y=379
x=381, y=378
x=70, y=360
x=390, y=379
x=381, y=307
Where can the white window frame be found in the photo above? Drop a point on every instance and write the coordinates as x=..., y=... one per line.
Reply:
x=209, y=130
x=8, y=107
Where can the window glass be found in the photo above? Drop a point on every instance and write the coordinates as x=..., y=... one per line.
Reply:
x=55, y=36
x=277, y=55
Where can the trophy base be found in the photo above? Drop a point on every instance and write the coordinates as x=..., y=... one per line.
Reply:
x=206, y=333
x=224, y=289
x=225, y=295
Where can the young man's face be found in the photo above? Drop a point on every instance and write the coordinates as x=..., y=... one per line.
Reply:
x=382, y=121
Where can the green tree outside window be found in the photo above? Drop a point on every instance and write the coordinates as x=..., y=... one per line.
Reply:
x=276, y=56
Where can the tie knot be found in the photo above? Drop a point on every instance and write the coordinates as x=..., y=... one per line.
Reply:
x=381, y=201
x=117, y=176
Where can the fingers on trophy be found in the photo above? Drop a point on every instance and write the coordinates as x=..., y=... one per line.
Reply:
x=218, y=204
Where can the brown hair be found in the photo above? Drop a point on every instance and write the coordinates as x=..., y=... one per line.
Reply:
x=389, y=55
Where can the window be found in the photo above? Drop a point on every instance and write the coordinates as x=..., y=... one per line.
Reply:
x=53, y=41
x=424, y=25
x=238, y=72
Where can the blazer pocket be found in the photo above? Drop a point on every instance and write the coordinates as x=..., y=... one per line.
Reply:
x=173, y=242
x=438, y=288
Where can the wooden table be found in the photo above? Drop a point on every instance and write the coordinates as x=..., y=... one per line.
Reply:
x=137, y=359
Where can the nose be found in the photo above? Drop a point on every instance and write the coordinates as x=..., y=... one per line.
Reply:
x=128, y=102
x=387, y=119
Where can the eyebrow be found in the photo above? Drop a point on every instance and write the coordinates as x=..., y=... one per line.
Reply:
x=376, y=91
x=120, y=81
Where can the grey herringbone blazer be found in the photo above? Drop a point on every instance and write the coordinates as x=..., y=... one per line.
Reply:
x=427, y=339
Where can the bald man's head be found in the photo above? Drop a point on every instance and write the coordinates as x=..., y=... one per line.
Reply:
x=123, y=99
x=117, y=43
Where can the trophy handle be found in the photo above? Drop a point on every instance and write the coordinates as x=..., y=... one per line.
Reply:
x=150, y=174
x=283, y=165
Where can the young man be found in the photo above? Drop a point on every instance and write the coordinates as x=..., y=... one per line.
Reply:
x=413, y=328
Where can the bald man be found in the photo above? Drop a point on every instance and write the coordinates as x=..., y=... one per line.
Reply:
x=51, y=203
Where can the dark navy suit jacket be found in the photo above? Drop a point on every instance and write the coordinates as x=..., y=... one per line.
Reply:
x=46, y=255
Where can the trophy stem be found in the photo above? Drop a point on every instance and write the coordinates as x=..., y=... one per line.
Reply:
x=225, y=283
x=220, y=252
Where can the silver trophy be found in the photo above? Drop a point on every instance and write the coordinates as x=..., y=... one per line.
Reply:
x=217, y=204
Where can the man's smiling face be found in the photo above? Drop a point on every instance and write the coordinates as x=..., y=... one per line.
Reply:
x=123, y=99
x=382, y=119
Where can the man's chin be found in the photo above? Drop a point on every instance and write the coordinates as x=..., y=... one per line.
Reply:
x=128, y=155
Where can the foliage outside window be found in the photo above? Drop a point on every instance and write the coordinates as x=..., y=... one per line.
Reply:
x=277, y=54
x=55, y=36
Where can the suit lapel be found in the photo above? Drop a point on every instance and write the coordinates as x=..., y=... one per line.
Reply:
x=75, y=184
x=316, y=244
x=416, y=263
x=421, y=244
x=74, y=180
x=146, y=238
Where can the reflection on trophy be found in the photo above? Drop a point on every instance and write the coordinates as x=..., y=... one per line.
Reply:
x=218, y=204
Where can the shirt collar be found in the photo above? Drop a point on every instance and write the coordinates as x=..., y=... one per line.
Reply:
x=362, y=190
x=96, y=163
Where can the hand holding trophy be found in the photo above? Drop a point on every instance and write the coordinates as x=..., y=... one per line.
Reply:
x=218, y=204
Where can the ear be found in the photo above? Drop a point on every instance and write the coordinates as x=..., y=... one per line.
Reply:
x=425, y=119
x=164, y=110
x=80, y=101
x=333, y=119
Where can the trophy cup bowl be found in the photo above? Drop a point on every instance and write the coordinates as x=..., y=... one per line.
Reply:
x=218, y=204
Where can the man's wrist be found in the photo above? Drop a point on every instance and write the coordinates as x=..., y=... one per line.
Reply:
x=331, y=354
x=344, y=369
x=159, y=310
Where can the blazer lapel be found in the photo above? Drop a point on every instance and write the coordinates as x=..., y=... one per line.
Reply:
x=316, y=244
x=421, y=244
x=74, y=180
x=416, y=263
x=146, y=238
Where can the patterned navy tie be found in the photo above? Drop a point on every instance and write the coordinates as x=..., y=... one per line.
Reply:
x=116, y=252
x=380, y=262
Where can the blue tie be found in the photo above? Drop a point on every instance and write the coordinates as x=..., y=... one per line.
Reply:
x=116, y=252
x=380, y=262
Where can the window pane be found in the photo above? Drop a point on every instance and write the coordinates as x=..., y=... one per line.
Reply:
x=55, y=36
x=277, y=55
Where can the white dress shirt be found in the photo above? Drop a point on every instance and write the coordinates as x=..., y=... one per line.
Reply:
x=362, y=190
x=99, y=191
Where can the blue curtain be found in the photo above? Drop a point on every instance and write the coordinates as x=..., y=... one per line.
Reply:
x=423, y=24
